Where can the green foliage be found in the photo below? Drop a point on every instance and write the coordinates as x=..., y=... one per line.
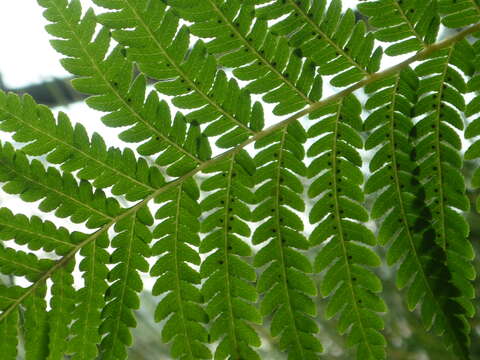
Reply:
x=236, y=263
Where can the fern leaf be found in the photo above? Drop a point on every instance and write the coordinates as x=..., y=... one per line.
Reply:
x=62, y=304
x=8, y=333
x=339, y=214
x=439, y=160
x=114, y=90
x=411, y=24
x=35, y=126
x=61, y=192
x=472, y=110
x=459, y=13
x=287, y=288
x=176, y=278
x=336, y=42
x=90, y=300
x=20, y=263
x=401, y=200
x=254, y=52
x=227, y=289
x=131, y=249
x=35, y=233
x=190, y=77
x=36, y=325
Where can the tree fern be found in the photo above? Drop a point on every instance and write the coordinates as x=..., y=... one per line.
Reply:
x=226, y=232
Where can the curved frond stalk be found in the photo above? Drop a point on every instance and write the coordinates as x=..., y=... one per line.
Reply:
x=287, y=288
x=437, y=151
x=180, y=283
x=410, y=24
x=62, y=304
x=109, y=80
x=336, y=42
x=131, y=250
x=227, y=289
x=256, y=55
x=338, y=216
x=401, y=203
x=35, y=233
x=61, y=192
x=459, y=13
x=190, y=76
x=90, y=300
x=35, y=126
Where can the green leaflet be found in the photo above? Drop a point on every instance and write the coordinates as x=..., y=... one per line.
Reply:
x=409, y=24
x=285, y=283
x=178, y=230
x=458, y=13
x=89, y=301
x=59, y=192
x=34, y=124
x=35, y=233
x=437, y=152
x=472, y=110
x=336, y=42
x=191, y=77
x=131, y=249
x=110, y=81
x=62, y=304
x=401, y=203
x=8, y=332
x=256, y=55
x=19, y=263
x=228, y=289
x=338, y=216
x=36, y=325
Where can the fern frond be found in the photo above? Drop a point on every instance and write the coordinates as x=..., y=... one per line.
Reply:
x=459, y=13
x=62, y=304
x=410, y=24
x=35, y=233
x=437, y=151
x=36, y=325
x=190, y=76
x=71, y=147
x=131, y=249
x=473, y=109
x=20, y=263
x=109, y=79
x=339, y=214
x=61, y=192
x=287, y=288
x=177, y=279
x=90, y=300
x=227, y=289
x=406, y=216
x=9, y=334
x=255, y=54
x=336, y=42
